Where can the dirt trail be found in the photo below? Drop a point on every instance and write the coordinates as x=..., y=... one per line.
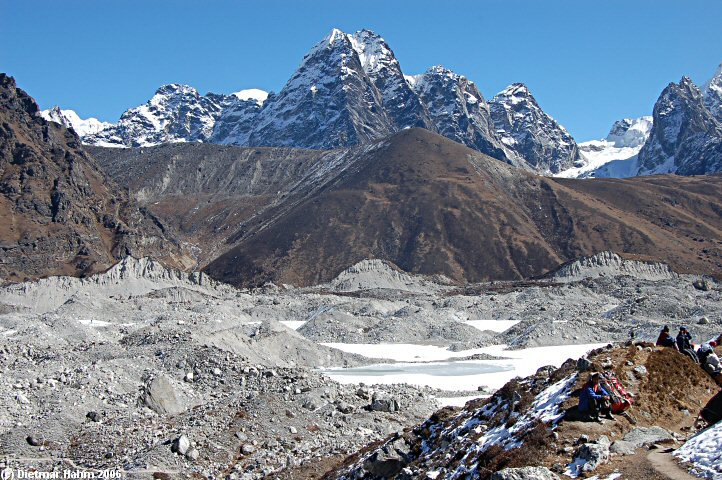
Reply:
x=664, y=463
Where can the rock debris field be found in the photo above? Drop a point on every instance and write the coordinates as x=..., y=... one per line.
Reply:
x=152, y=371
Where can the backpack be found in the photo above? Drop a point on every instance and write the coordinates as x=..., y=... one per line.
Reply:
x=621, y=400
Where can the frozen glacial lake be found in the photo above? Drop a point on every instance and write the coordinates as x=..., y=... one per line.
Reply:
x=426, y=365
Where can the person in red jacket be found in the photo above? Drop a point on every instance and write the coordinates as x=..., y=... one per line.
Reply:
x=665, y=339
x=595, y=400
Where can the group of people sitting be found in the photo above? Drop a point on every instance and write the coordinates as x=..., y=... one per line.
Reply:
x=705, y=356
x=595, y=400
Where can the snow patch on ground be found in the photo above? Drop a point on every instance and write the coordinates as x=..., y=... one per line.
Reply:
x=293, y=324
x=493, y=325
x=704, y=453
x=544, y=409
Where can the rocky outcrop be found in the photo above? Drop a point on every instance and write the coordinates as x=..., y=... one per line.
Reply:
x=60, y=213
x=458, y=111
x=712, y=93
x=609, y=264
x=378, y=274
x=529, y=132
x=686, y=138
x=525, y=473
x=176, y=113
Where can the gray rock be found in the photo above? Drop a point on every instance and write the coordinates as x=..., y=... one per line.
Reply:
x=388, y=460
x=591, y=455
x=383, y=403
x=247, y=449
x=292, y=430
x=162, y=398
x=622, y=447
x=640, y=371
x=525, y=473
x=180, y=445
x=584, y=364
x=33, y=441
x=93, y=416
x=703, y=321
x=644, y=436
x=703, y=285
x=192, y=454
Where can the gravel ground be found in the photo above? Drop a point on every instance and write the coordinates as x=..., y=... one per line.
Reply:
x=151, y=370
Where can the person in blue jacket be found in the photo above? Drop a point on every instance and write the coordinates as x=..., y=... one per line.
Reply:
x=595, y=400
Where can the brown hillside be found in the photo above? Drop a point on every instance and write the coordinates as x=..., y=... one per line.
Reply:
x=59, y=214
x=430, y=206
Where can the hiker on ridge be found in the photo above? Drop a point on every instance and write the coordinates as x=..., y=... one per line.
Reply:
x=595, y=400
x=685, y=345
x=665, y=339
x=710, y=361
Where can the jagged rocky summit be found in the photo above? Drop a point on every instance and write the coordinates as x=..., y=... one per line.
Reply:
x=348, y=90
x=685, y=138
x=530, y=133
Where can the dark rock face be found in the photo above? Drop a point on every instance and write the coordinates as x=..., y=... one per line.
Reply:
x=59, y=214
x=712, y=93
x=686, y=138
x=530, y=133
x=399, y=100
x=329, y=102
x=235, y=123
x=458, y=111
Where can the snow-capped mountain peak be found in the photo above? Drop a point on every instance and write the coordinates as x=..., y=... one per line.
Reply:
x=372, y=50
x=175, y=113
x=712, y=92
x=255, y=94
x=531, y=133
x=615, y=155
x=686, y=138
x=630, y=132
x=516, y=93
x=71, y=119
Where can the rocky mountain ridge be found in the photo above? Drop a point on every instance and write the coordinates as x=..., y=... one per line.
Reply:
x=349, y=89
x=532, y=134
x=60, y=213
x=685, y=137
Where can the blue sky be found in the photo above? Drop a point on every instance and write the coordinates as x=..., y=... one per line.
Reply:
x=588, y=63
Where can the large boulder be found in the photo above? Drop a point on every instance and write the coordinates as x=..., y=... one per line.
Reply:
x=644, y=436
x=590, y=455
x=525, y=473
x=388, y=460
x=382, y=402
x=161, y=397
